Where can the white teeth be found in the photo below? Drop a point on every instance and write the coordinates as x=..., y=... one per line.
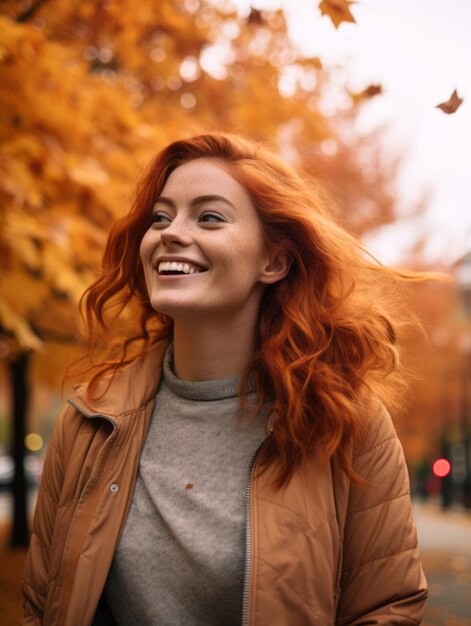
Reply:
x=177, y=266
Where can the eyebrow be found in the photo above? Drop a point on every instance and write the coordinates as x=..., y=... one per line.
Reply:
x=198, y=200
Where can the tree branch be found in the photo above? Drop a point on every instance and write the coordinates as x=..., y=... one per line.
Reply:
x=29, y=13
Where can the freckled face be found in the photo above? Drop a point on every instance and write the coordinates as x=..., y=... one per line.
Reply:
x=204, y=251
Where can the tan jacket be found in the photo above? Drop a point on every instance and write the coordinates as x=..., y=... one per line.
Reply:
x=319, y=552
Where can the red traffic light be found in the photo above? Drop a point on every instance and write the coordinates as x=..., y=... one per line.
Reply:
x=441, y=468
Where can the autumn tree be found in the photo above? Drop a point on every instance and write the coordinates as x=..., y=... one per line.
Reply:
x=89, y=91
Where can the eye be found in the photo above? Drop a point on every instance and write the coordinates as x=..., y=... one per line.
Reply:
x=160, y=218
x=210, y=217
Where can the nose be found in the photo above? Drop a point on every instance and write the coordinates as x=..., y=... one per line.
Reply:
x=177, y=232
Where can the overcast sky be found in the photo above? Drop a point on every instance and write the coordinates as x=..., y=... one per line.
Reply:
x=419, y=51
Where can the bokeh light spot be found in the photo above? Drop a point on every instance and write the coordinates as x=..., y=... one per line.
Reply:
x=189, y=69
x=157, y=54
x=33, y=442
x=174, y=83
x=157, y=83
x=188, y=100
x=441, y=468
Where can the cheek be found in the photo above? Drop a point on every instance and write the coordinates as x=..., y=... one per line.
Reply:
x=249, y=250
x=147, y=246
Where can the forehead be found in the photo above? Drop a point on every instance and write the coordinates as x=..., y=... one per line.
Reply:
x=202, y=177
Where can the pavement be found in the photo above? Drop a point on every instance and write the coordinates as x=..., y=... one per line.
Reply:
x=445, y=543
x=442, y=530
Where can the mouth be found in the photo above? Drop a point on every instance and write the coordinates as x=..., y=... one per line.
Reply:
x=179, y=268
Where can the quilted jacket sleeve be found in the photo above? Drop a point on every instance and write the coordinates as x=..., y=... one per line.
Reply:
x=35, y=575
x=382, y=579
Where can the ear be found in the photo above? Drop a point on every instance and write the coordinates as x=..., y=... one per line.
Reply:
x=276, y=268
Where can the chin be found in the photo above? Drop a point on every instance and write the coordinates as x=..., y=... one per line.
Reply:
x=173, y=309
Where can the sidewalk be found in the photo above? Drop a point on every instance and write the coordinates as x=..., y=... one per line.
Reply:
x=445, y=544
x=432, y=506
x=432, y=520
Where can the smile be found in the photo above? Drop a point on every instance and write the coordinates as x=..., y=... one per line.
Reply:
x=174, y=268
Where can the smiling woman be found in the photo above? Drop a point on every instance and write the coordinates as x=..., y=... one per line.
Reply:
x=231, y=460
x=220, y=237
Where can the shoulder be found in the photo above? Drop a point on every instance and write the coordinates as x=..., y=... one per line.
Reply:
x=376, y=428
x=378, y=459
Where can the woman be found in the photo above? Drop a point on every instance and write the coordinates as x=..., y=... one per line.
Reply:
x=231, y=461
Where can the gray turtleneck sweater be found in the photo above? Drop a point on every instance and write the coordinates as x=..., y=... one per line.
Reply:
x=180, y=559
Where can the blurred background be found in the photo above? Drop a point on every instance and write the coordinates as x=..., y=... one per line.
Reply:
x=371, y=97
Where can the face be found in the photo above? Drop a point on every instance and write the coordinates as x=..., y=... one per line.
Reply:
x=204, y=252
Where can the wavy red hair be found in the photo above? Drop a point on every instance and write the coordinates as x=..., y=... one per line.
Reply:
x=327, y=332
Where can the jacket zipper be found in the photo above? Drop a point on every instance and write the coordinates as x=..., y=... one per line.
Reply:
x=70, y=574
x=248, y=538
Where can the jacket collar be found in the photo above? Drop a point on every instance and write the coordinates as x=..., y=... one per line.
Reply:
x=131, y=388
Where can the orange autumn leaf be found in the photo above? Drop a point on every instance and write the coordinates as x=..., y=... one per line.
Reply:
x=337, y=10
x=255, y=17
x=450, y=105
x=366, y=94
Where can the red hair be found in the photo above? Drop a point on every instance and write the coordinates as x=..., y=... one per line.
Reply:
x=327, y=331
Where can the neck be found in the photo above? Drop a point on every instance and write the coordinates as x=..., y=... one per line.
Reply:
x=208, y=349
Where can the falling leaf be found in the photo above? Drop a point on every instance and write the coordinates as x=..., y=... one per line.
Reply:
x=450, y=105
x=366, y=94
x=255, y=17
x=337, y=10
x=188, y=485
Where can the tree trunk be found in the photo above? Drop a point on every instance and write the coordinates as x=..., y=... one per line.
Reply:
x=20, y=398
